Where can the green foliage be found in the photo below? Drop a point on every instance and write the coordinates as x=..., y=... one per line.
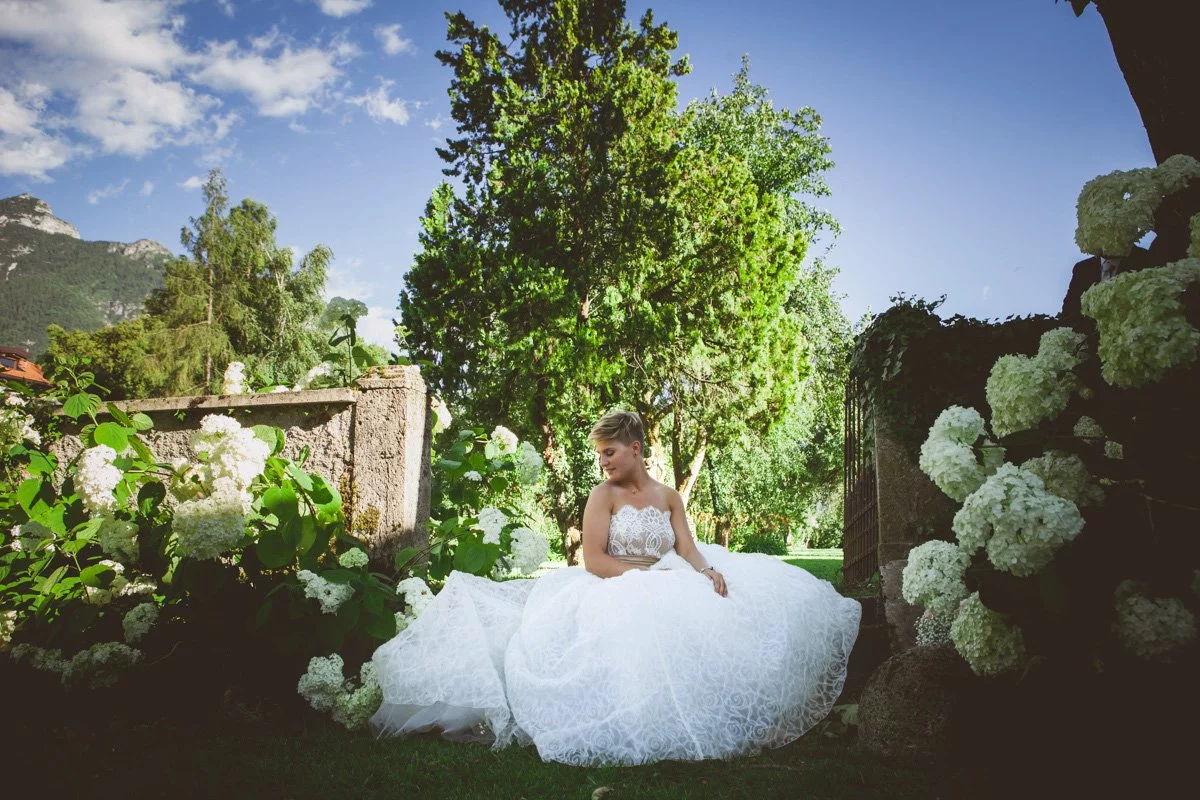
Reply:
x=910, y=364
x=607, y=248
x=68, y=282
x=236, y=296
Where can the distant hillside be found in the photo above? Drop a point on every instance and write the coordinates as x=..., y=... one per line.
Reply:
x=49, y=275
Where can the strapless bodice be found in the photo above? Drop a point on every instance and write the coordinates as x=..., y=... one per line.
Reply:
x=640, y=534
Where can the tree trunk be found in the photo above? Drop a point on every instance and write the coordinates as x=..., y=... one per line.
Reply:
x=208, y=340
x=654, y=463
x=693, y=473
x=1154, y=46
x=563, y=504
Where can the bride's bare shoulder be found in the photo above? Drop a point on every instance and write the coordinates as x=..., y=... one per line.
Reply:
x=602, y=495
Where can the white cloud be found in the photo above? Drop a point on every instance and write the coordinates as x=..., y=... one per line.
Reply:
x=342, y=8
x=377, y=327
x=283, y=86
x=134, y=112
x=344, y=50
x=147, y=188
x=34, y=156
x=340, y=281
x=297, y=127
x=380, y=106
x=226, y=6
x=987, y=290
x=191, y=184
x=392, y=42
x=436, y=123
x=111, y=190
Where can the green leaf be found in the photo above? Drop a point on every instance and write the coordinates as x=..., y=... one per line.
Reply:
x=150, y=497
x=271, y=435
x=113, y=435
x=381, y=626
x=292, y=532
x=302, y=478
x=282, y=502
x=141, y=422
x=98, y=576
x=448, y=465
x=498, y=483
x=273, y=551
x=471, y=556
x=41, y=463
x=321, y=492
x=120, y=416
x=51, y=579
x=405, y=556
x=81, y=403
x=140, y=450
x=491, y=450
x=339, y=575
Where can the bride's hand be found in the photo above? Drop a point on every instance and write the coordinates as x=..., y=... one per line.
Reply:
x=718, y=581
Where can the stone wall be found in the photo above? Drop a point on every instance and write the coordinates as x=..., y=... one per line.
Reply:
x=371, y=442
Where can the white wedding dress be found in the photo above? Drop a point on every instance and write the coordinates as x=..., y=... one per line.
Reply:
x=646, y=666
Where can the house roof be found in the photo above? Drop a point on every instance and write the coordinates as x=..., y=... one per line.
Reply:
x=15, y=365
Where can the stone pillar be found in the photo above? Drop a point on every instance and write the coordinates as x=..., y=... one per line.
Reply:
x=392, y=437
x=912, y=509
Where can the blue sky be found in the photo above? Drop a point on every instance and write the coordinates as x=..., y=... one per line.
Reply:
x=962, y=131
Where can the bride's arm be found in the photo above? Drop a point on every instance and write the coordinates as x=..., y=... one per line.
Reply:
x=596, y=516
x=685, y=543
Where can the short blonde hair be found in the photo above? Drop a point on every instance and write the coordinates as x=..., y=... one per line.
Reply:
x=619, y=426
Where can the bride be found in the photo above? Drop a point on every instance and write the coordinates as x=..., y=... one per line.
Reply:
x=661, y=648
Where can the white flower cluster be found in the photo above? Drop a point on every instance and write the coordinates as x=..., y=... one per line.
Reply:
x=1193, y=250
x=948, y=454
x=934, y=629
x=118, y=538
x=321, y=370
x=441, y=414
x=416, y=595
x=329, y=594
x=472, y=475
x=491, y=522
x=96, y=478
x=138, y=621
x=1065, y=475
x=1087, y=428
x=1115, y=210
x=31, y=537
x=934, y=576
x=529, y=550
x=1024, y=391
x=233, y=452
x=354, y=558
x=1144, y=332
x=506, y=441
x=989, y=644
x=100, y=665
x=8, y=626
x=15, y=425
x=234, y=380
x=209, y=526
x=529, y=464
x=39, y=658
x=327, y=690
x=1151, y=627
x=1017, y=520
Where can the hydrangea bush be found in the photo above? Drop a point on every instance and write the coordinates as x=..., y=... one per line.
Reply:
x=1080, y=549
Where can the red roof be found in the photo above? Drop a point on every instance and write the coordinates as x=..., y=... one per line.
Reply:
x=15, y=365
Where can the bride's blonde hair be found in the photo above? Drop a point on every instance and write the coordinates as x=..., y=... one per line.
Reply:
x=619, y=426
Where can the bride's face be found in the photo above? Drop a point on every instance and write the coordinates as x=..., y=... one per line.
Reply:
x=618, y=460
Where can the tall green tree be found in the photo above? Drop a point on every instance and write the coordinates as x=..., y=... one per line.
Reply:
x=606, y=248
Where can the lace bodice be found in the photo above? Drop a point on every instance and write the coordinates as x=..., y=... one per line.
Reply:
x=642, y=532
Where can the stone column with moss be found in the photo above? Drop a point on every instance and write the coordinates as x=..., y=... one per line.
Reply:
x=389, y=497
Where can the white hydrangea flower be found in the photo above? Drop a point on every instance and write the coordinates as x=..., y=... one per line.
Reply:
x=1061, y=349
x=141, y=585
x=330, y=595
x=529, y=464
x=352, y=709
x=1022, y=392
x=934, y=576
x=1088, y=428
x=1114, y=450
x=39, y=658
x=118, y=538
x=1144, y=333
x=472, y=475
x=321, y=370
x=1065, y=475
x=1017, y=520
x=234, y=380
x=933, y=629
x=207, y=527
x=989, y=644
x=14, y=400
x=8, y=626
x=1115, y=210
x=529, y=550
x=354, y=558
x=416, y=594
x=1151, y=627
x=506, y=441
x=138, y=621
x=96, y=478
x=948, y=454
x=233, y=451
x=441, y=414
x=492, y=522
x=402, y=620
x=323, y=683
x=100, y=665
x=15, y=425
x=30, y=537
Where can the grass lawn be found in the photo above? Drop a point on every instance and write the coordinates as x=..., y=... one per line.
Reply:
x=825, y=564
x=233, y=757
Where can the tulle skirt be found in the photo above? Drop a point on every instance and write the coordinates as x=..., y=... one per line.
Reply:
x=647, y=666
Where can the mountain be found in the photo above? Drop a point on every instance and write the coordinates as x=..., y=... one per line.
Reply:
x=49, y=275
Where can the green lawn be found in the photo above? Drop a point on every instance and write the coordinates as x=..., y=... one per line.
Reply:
x=825, y=564
x=238, y=757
